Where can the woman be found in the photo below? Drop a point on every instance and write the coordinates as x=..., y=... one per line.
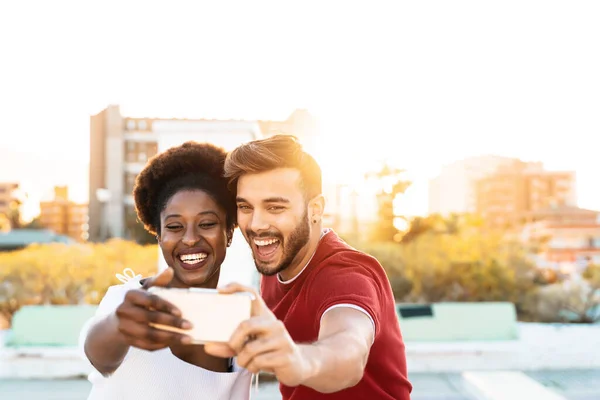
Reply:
x=183, y=199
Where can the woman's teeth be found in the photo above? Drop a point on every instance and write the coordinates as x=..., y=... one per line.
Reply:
x=193, y=258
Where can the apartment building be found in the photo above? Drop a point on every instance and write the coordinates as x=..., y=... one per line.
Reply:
x=567, y=238
x=65, y=217
x=120, y=146
x=507, y=197
x=454, y=189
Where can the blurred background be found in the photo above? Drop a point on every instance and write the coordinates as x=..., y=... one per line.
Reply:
x=459, y=143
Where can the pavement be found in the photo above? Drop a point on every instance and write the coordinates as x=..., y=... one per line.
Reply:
x=571, y=384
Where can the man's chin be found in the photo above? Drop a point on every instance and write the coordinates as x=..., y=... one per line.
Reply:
x=267, y=268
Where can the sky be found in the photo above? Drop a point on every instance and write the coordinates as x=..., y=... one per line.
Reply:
x=419, y=83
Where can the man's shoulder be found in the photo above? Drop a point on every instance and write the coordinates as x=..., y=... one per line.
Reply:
x=338, y=253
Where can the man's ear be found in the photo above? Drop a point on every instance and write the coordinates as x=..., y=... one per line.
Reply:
x=316, y=207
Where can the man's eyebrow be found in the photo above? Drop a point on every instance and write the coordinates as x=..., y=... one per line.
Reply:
x=239, y=199
x=276, y=200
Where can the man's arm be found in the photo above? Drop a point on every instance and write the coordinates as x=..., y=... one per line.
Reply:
x=338, y=359
x=334, y=362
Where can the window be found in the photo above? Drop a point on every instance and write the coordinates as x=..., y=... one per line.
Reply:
x=130, y=151
x=129, y=182
x=140, y=152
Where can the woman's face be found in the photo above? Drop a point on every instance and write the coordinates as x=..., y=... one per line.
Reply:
x=193, y=238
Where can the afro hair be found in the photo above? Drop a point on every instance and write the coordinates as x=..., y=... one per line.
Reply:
x=189, y=166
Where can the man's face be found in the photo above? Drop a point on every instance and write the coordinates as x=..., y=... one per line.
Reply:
x=273, y=217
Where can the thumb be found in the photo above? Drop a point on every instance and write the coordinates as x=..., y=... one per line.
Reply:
x=162, y=279
x=221, y=350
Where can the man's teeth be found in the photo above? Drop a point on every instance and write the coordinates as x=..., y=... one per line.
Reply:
x=265, y=242
x=193, y=258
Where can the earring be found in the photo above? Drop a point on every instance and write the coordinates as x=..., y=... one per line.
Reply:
x=229, y=242
x=157, y=238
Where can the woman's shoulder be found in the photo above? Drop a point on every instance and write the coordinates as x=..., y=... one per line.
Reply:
x=115, y=294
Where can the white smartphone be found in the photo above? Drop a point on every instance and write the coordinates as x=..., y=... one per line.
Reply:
x=214, y=316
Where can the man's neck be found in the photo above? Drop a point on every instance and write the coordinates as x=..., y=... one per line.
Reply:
x=303, y=258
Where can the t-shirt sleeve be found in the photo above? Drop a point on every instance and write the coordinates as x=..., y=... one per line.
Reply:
x=348, y=279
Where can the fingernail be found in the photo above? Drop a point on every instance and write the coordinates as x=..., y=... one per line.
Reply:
x=176, y=312
x=186, y=340
x=186, y=325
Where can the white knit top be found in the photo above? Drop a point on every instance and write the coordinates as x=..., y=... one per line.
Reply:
x=159, y=375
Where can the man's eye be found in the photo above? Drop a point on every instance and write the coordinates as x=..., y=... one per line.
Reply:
x=208, y=225
x=173, y=227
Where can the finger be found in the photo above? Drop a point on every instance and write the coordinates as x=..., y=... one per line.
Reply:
x=142, y=344
x=149, y=334
x=145, y=317
x=162, y=279
x=254, y=327
x=235, y=287
x=141, y=298
x=259, y=346
x=258, y=305
x=221, y=350
x=267, y=362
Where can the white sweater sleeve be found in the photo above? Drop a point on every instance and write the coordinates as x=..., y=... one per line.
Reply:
x=112, y=299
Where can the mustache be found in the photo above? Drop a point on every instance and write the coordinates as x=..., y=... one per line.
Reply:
x=262, y=235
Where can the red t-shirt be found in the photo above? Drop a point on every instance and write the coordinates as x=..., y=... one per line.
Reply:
x=339, y=274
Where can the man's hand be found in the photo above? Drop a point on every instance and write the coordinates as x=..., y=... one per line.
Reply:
x=140, y=309
x=262, y=343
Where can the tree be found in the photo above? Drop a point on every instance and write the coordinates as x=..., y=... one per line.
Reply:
x=391, y=184
x=14, y=213
x=68, y=274
x=451, y=259
x=34, y=224
x=4, y=223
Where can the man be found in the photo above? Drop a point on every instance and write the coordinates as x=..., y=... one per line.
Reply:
x=340, y=337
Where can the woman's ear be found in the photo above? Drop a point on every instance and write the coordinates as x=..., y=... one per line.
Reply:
x=229, y=237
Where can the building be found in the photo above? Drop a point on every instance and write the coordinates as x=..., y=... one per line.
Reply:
x=120, y=146
x=454, y=189
x=8, y=204
x=567, y=238
x=65, y=217
x=507, y=197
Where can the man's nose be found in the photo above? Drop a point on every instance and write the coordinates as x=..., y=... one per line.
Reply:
x=259, y=222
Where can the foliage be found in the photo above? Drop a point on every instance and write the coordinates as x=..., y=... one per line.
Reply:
x=454, y=260
x=575, y=301
x=68, y=274
x=391, y=184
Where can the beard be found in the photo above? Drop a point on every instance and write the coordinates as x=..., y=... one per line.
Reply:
x=290, y=247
